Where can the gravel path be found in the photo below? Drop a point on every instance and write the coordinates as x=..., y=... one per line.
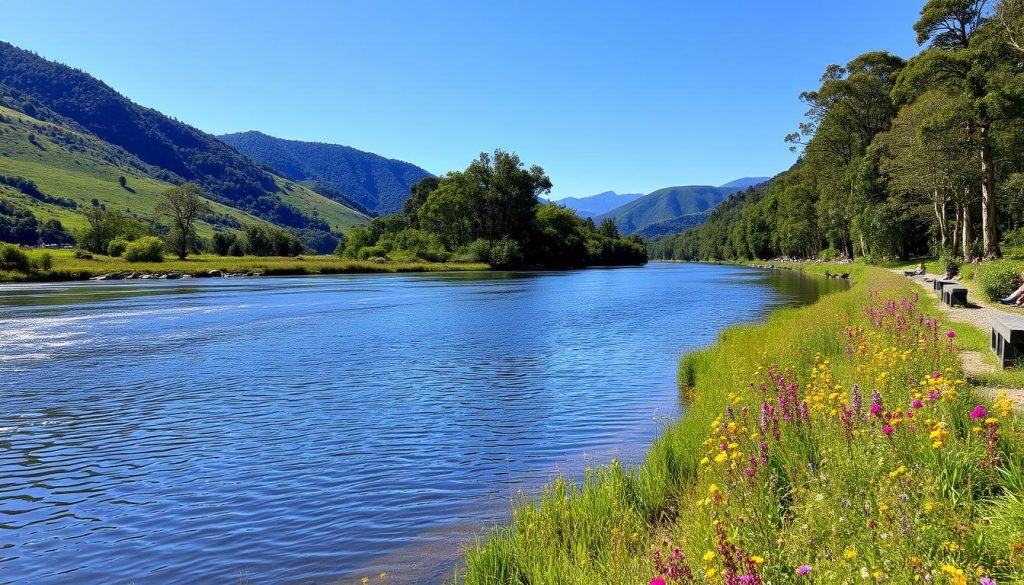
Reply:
x=978, y=315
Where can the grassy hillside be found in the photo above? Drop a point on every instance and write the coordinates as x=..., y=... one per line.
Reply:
x=363, y=179
x=666, y=205
x=67, y=107
x=70, y=164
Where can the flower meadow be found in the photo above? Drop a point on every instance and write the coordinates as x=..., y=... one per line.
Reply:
x=836, y=443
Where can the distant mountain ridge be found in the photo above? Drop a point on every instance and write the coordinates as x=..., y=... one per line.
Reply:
x=599, y=204
x=366, y=180
x=666, y=205
x=745, y=183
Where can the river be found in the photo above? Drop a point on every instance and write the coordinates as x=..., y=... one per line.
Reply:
x=317, y=429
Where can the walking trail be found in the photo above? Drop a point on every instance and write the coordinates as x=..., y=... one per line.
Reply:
x=973, y=361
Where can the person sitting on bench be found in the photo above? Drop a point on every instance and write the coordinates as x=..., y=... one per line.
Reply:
x=1017, y=296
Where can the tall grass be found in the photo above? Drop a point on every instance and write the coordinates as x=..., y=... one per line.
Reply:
x=832, y=444
x=66, y=267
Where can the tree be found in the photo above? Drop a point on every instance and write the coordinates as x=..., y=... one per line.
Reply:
x=925, y=156
x=183, y=206
x=122, y=181
x=1011, y=16
x=968, y=59
x=103, y=226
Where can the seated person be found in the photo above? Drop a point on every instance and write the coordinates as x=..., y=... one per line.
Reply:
x=1017, y=296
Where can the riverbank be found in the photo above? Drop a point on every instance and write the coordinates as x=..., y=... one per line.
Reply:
x=833, y=443
x=66, y=267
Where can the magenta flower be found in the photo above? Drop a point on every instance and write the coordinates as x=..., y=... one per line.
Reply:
x=657, y=581
x=950, y=334
x=917, y=404
x=887, y=430
x=979, y=412
x=987, y=581
x=876, y=409
x=803, y=569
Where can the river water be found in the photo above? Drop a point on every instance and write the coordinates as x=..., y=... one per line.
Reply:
x=314, y=430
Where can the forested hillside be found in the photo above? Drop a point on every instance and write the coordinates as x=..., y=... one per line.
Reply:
x=63, y=115
x=666, y=205
x=897, y=157
x=363, y=180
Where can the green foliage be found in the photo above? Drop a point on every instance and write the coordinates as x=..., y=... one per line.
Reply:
x=13, y=258
x=999, y=279
x=264, y=240
x=145, y=249
x=951, y=265
x=116, y=247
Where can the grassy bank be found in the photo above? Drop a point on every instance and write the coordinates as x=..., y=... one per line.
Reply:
x=66, y=267
x=835, y=443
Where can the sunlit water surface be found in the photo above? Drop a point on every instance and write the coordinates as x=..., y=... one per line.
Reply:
x=312, y=430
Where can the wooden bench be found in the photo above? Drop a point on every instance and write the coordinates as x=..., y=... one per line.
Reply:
x=954, y=294
x=1008, y=338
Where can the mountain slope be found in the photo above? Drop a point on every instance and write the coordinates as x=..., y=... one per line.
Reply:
x=69, y=169
x=745, y=183
x=666, y=205
x=372, y=182
x=599, y=204
x=163, y=149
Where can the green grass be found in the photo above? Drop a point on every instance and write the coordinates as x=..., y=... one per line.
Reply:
x=896, y=508
x=67, y=267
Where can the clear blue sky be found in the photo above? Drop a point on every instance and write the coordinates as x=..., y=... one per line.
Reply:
x=625, y=96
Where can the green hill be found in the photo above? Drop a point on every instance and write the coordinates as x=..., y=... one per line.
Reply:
x=73, y=136
x=666, y=205
x=362, y=180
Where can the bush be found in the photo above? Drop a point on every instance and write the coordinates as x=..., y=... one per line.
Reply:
x=951, y=265
x=829, y=254
x=372, y=252
x=147, y=249
x=999, y=279
x=13, y=258
x=83, y=255
x=43, y=262
x=116, y=247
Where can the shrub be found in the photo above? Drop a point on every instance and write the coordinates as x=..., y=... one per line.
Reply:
x=43, y=262
x=147, y=249
x=951, y=265
x=999, y=279
x=82, y=255
x=372, y=252
x=116, y=247
x=13, y=258
x=829, y=254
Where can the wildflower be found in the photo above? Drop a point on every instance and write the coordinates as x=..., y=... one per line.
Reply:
x=929, y=506
x=709, y=556
x=657, y=581
x=950, y=334
x=979, y=412
x=705, y=461
x=864, y=574
x=987, y=581
x=887, y=430
x=803, y=569
x=721, y=458
x=713, y=489
x=756, y=559
x=710, y=573
x=850, y=553
x=917, y=403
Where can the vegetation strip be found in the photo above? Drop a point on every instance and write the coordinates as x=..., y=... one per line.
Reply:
x=835, y=443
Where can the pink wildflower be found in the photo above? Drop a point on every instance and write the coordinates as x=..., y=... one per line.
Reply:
x=917, y=403
x=803, y=569
x=887, y=430
x=979, y=412
x=950, y=334
x=657, y=581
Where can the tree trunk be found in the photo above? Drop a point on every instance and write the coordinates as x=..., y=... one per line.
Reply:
x=988, y=196
x=957, y=225
x=966, y=239
x=940, y=214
